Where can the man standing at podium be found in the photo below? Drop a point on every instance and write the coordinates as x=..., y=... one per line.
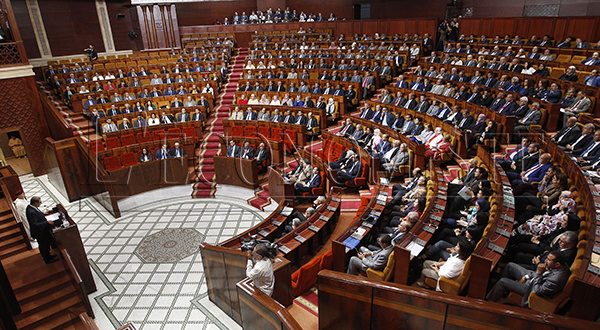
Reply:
x=40, y=229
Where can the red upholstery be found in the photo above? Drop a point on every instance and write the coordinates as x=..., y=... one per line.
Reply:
x=159, y=135
x=128, y=140
x=361, y=180
x=144, y=137
x=305, y=277
x=277, y=134
x=264, y=132
x=96, y=146
x=237, y=131
x=129, y=159
x=250, y=131
x=290, y=140
x=112, y=163
x=112, y=143
x=317, y=190
x=189, y=134
x=174, y=133
x=327, y=260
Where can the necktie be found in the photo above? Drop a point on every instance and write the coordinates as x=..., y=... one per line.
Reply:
x=576, y=104
x=531, y=170
x=504, y=106
x=177, y=153
x=589, y=149
x=564, y=134
x=528, y=115
x=365, y=83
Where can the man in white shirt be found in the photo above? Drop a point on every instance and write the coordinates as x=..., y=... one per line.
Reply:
x=21, y=206
x=260, y=269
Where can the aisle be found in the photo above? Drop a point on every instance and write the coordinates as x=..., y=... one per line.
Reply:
x=205, y=185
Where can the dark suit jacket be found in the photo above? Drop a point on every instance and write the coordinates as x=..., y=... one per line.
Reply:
x=567, y=136
x=173, y=152
x=37, y=222
x=233, y=151
x=527, y=162
x=159, y=154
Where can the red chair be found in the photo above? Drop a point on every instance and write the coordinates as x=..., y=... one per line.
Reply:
x=250, y=131
x=144, y=137
x=237, y=131
x=277, y=134
x=290, y=140
x=189, y=135
x=159, y=136
x=112, y=163
x=96, y=146
x=360, y=180
x=317, y=191
x=174, y=133
x=113, y=143
x=264, y=132
x=128, y=140
x=129, y=159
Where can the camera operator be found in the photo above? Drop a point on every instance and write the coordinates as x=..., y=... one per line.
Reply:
x=260, y=269
x=92, y=53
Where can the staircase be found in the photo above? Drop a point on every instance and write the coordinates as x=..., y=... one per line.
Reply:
x=47, y=294
x=79, y=124
x=205, y=185
x=12, y=241
x=261, y=197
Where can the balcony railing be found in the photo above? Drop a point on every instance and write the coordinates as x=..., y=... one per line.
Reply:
x=12, y=54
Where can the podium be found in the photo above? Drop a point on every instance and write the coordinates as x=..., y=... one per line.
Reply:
x=68, y=236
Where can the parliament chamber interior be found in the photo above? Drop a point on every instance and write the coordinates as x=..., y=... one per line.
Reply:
x=289, y=164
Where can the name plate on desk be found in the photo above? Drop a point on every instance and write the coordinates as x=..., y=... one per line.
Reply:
x=441, y=207
x=495, y=248
x=276, y=223
x=438, y=171
x=593, y=269
x=442, y=197
x=367, y=224
x=300, y=239
x=595, y=193
x=313, y=228
x=598, y=233
x=324, y=218
x=507, y=218
x=443, y=188
x=263, y=233
x=429, y=229
x=284, y=249
x=380, y=202
x=596, y=249
x=331, y=208
x=335, y=199
x=509, y=205
x=503, y=232
x=441, y=179
x=419, y=241
x=597, y=204
x=383, y=193
x=435, y=217
x=375, y=213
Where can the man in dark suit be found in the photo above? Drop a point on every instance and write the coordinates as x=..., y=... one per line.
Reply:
x=543, y=245
x=577, y=147
x=288, y=118
x=250, y=114
x=300, y=118
x=351, y=172
x=262, y=156
x=548, y=280
x=162, y=153
x=366, y=112
x=40, y=229
x=247, y=151
x=526, y=162
x=466, y=121
x=167, y=118
x=183, y=116
x=177, y=151
x=312, y=182
x=233, y=150
x=124, y=124
x=568, y=134
x=347, y=129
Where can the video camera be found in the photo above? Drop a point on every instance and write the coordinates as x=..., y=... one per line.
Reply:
x=248, y=245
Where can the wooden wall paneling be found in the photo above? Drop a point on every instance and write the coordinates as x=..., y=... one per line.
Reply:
x=26, y=28
x=384, y=27
x=397, y=26
x=504, y=26
x=427, y=26
x=216, y=278
x=522, y=28
x=175, y=26
x=352, y=304
x=122, y=26
x=151, y=30
x=560, y=27
x=411, y=26
x=539, y=27
x=370, y=27
x=356, y=28
x=344, y=27
x=582, y=28
x=405, y=312
x=166, y=19
x=143, y=27
x=470, y=25
x=486, y=27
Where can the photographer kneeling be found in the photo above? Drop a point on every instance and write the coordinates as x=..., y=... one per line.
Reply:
x=260, y=269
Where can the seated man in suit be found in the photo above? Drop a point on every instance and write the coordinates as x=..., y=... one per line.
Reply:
x=312, y=182
x=347, y=129
x=565, y=242
x=125, y=124
x=515, y=154
x=162, y=153
x=177, y=151
x=109, y=126
x=568, y=134
x=383, y=147
x=532, y=117
x=167, y=118
x=301, y=173
x=525, y=162
x=262, y=156
x=581, y=104
x=350, y=172
x=396, y=156
x=592, y=152
x=549, y=279
x=40, y=229
x=579, y=145
x=233, y=150
x=374, y=260
x=535, y=173
x=247, y=151
x=183, y=116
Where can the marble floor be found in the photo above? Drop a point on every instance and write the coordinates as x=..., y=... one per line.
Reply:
x=153, y=293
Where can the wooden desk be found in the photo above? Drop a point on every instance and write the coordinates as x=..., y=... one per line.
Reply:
x=236, y=171
x=279, y=190
x=70, y=238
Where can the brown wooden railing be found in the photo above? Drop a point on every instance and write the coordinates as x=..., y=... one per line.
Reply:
x=81, y=291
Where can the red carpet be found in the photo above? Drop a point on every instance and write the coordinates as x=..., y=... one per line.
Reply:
x=309, y=300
